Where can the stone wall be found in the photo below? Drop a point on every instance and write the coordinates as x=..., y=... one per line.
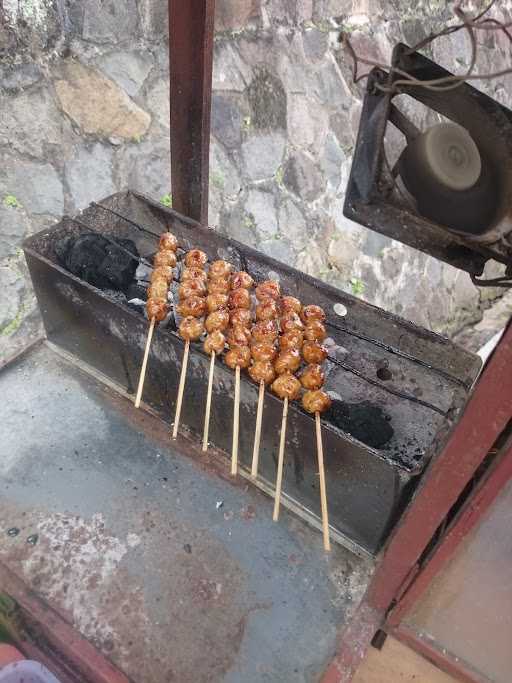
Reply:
x=84, y=112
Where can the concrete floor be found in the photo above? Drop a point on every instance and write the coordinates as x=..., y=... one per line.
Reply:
x=173, y=570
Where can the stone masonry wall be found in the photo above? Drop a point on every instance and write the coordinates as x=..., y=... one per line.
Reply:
x=84, y=112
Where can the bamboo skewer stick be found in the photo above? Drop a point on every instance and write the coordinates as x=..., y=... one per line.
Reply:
x=236, y=423
x=257, y=433
x=181, y=390
x=323, y=492
x=280, y=462
x=208, y=403
x=144, y=364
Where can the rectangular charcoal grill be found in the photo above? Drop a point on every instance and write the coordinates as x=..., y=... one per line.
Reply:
x=418, y=379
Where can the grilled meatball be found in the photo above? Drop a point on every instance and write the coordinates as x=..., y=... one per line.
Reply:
x=263, y=351
x=168, y=242
x=194, y=306
x=312, y=312
x=240, y=316
x=238, y=336
x=214, y=342
x=196, y=258
x=241, y=280
x=267, y=310
x=269, y=289
x=158, y=290
x=215, y=302
x=240, y=298
x=193, y=274
x=220, y=269
x=316, y=401
x=265, y=331
x=262, y=371
x=289, y=304
x=221, y=285
x=162, y=273
x=313, y=352
x=165, y=258
x=286, y=386
x=218, y=320
x=157, y=309
x=312, y=377
x=290, y=321
x=287, y=361
x=191, y=328
x=238, y=356
x=291, y=340
x=191, y=288
x=315, y=331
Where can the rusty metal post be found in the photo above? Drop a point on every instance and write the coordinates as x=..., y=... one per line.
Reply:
x=190, y=59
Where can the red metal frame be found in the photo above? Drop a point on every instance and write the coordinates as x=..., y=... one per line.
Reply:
x=485, y=417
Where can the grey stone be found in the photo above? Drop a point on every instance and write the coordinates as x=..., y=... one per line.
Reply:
x=260, y=209
x=290, y=11
x=89, y=175
x=262, y=155
x=375, y=243
x=307, y=122
x=36, y=186
x=12, y=287
x=339, y=123
x=329, y=86
x=227, y=118
x=154, y=16
x=233, y=15
x=145, y=167
x=331, y=161
x=127, y=69
x=238, y=225
x=158, y=102
x=267, y=100
x=230, y=71
x=105, y=21
x=280, y=249
x=292, y=223
x=315, y=43
x=302, y=177
x=312, y=261
x=224, y=175
x=14, y=226
x=20, y=76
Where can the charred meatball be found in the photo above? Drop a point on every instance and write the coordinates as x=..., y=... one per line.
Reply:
x=217, y=301
x=238, y=336
x=191, y=328
x=265, y=331
x=312, y=312
x=214, y=342
x=165, y=258
x=315, y=331
x=269, y=289
x=239, y=298
x=220, y=269
x=241, y=280
x=168, y=242
x=193, y=274
x=157, y=309
x=158, y=290
x=262, y=371
x=312, y=377
x=218, y=320
x=313, y=352
x=286, y=386
x=291, y=340
x=195, y=258
x=194, y=306
x=238, y=356
x=191, y=288
x=316, y=401
x=241, y=316
x=287, y=361
x=162, y=273
x=263, y=351
x=221, y=285
x=267, y=310
x=289, y=304
x=290, y=321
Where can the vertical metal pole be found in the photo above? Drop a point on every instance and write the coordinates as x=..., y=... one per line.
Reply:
x=190, y=62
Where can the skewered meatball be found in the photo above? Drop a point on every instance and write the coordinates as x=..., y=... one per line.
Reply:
x=191, y=288
x=286, y=386
x=262, y=371
x=240, y=355
x=313, y=352
x=194, y=306
x=191, y=328
x=158, y=290
x=291, y=340
x=269, y=289
x=315, y=331
x=291, y=321
x=240, y=298
x=217, y=301
x=265, y=331
x=263, y=351
x=221, y=285
x=287, y=361
x=267, y=310
x=214, y=342
x=193, y=274
x=238, y=336
x=312, y=312
x=220, y=269
x=241, y=280
x=316, y=401
x=312, y=377
x=240, y=316
x=157, y=309
x=168, y=242
x=289, y=304
x=165, y=258
x=162, y=273
x=218, y=320
x=196, y=258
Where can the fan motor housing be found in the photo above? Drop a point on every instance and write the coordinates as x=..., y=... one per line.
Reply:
x=464, y=227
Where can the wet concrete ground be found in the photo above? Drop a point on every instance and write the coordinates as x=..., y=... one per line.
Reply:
x=174, y=571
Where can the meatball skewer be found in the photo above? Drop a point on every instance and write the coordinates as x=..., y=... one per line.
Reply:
x=191, y=327
x=156, y=306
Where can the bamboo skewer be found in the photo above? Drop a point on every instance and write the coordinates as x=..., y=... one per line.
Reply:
x=181, y=390
x=323, y=492
x=208, y=403
x=236, y=423
x=280, y=462
x=257, y=433
x=144, y=364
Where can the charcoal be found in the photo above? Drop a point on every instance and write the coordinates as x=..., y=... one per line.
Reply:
x=364, y=421
x=99, y=261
